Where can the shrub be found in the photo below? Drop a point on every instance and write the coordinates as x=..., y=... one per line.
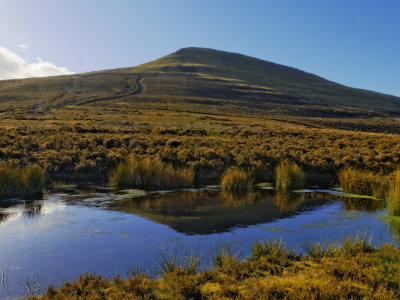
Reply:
x=288, y=175
x=363, y=182
x=394, y=194
x=148, y=173
x=235, y=179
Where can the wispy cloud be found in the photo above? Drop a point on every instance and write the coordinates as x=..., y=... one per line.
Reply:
x=14, y=66
x=24, y=47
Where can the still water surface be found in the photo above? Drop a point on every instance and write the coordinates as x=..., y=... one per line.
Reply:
x=64, y=235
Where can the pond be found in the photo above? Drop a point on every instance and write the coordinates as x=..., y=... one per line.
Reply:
x=66, y=234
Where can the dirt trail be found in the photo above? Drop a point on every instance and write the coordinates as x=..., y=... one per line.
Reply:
x=133, y=89
x=140, y=86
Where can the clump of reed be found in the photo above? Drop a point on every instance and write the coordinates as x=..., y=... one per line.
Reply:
x=28, y=182
x=289, y=176
x=361, y=243
x=321, y=250
x=236, y=179
x=362, y=182
x=148, y=173
x=177, y=261
x=273, y=248
x=394, y=194
x=226, y=259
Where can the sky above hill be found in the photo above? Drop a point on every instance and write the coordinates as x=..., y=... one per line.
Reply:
x=353, y=42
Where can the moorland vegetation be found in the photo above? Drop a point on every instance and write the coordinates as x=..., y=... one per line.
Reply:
x=352, y=270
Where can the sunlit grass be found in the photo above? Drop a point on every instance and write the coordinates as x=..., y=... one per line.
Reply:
x=148, y=173
x=235, y=179
x=289, y=176
x=350, y=270
x=27, y=182
x=363, y=182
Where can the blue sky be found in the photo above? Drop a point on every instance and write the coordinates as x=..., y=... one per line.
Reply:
x=354, y=42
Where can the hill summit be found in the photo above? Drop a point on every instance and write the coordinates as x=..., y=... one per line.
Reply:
x=201, y=79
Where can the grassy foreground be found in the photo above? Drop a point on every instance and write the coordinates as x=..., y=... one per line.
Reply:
x=353, y=270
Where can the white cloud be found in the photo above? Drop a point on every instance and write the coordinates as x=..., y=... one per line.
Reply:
x=24, y=47
x=14, y=66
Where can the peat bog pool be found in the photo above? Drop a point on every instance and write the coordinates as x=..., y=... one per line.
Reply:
x=66, y=234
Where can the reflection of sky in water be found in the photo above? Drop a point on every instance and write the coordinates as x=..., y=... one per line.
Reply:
x=64, y=236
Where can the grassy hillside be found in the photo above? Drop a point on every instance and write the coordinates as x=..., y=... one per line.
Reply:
x=200, y=78
x=239, y=77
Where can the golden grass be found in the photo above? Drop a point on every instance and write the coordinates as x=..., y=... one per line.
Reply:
x=361, y=182
x=209, y=143
x=28, y=182
x=353, y=270
x=235, y=179
x=288, y=176
x=148, y=173
x=394, y=194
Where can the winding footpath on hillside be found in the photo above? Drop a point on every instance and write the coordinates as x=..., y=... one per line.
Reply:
x=139, y=86
x=132, y=90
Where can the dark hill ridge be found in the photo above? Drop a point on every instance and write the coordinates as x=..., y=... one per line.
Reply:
x=197, y=78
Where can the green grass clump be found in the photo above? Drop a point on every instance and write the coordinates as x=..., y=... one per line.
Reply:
x=394, y=194
x=361, y=182
x=149, y=173
x=235, y=179
x=289, y=176
x=25, y=183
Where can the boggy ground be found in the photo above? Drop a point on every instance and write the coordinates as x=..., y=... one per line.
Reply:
x=353, y=270
x=85, y=143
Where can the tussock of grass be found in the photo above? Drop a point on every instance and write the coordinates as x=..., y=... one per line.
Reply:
x=358, y=244
x=170, y=262
x=353, y=270
x=321, y=250
x=225, y=259
x=363, y=182
x=288, y=176
x=34, y=180
x=28, y=182
x=275, y=249
x=148, y=173
x=235, y=179
x=394, y=194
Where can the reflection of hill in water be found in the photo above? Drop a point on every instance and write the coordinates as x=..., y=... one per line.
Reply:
x=207, y=212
